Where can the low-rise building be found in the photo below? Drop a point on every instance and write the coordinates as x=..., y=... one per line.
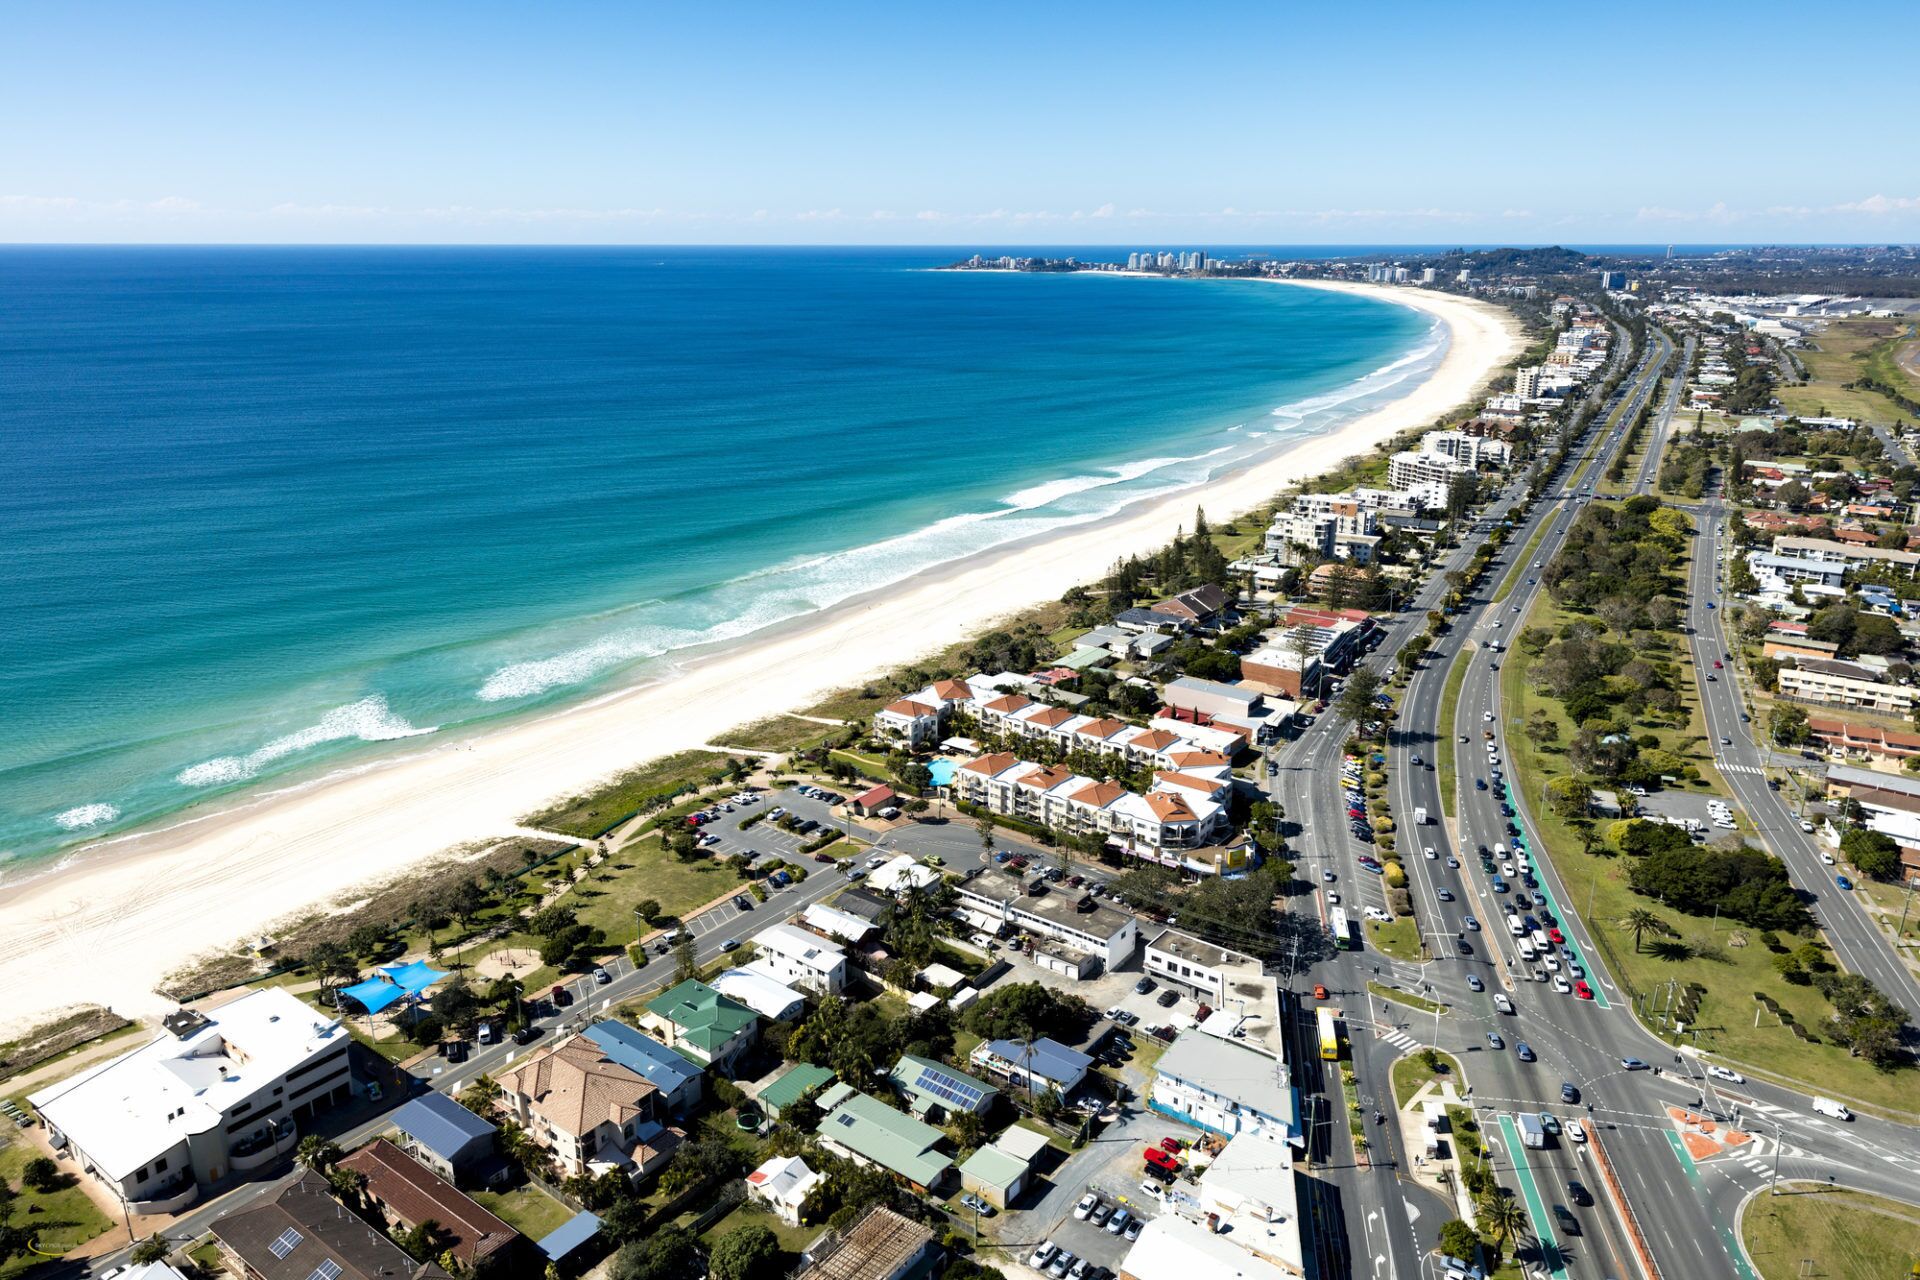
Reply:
x=867, y=1130
x=1226, y=1088
x=1054, y=796
x=1864, y=741
x=1844, y=684
x=700, y=1022
x=832, y=922
x=1172, y=1248
x=1251, y=1195
x=301, y=1232
x=450, y=1140
x=767, y=996
x=406, y=1194
x=214, y=1094
x=799, y=1081
x=996, y=897
x=1000, y=1171
x=587, y=1111
x=1198, y=967
x=801, y=959
x=1035, y=1065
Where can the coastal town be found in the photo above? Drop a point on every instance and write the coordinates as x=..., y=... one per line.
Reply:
x=1490, y=857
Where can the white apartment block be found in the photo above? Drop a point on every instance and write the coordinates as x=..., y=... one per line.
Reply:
x=995, y=897
x=1185, y=809
x=801, y=959
x=216, y=1094
x=1844, y=684
x=1409, y=467
x=1019, y=716
x=1200, y=967
x=1471, y=451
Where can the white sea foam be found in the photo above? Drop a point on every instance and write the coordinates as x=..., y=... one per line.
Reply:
x=368, y=720
x=83, y=816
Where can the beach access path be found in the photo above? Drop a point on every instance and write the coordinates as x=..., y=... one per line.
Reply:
x=116, y=919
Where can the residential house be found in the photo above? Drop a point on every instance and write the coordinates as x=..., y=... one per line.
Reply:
x=1204, y=606
x=934, y=1089
x=213, y=1095
x=783, y=1185
x=406, y=1194
x=450, y=1140
x=701, y=1023
x=867, y=1130
x=1035, y=1065
x=301, y=1232
x=999, y=1171
x=678, y=1078
x=587, y=1111
x=801, y=959
x=801, y=1080
x=836, y=923
x=767, y=996
x=1844, y=684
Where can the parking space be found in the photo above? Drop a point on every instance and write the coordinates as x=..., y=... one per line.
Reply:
x=1691, y=806
x=1095, y=1237
x=765, y=840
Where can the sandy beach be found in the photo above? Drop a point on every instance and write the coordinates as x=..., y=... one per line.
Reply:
x=116, y=920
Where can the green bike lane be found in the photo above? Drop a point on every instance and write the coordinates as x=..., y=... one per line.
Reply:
x=1536, y=1204
x=1729, y=1237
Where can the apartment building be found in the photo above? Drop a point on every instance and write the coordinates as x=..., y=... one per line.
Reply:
x=996, y=898
x=214, y=1094
x=1410, y=467
x=1168, y=817
x=1468, y=450
x=1906, y=562
x=801, y=959
x=587, y=1111
x=1844, y=684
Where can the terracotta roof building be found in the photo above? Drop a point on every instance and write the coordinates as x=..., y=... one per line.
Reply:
x=407, y=1193
x=588, y=1111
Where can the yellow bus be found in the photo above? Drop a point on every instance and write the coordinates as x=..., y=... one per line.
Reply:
x=1329, y=1034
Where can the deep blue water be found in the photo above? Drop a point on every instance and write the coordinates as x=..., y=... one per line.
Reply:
x=263, y=507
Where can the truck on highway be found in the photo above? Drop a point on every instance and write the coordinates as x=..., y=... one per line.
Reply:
x=1421, y=818
x=1532, y=1132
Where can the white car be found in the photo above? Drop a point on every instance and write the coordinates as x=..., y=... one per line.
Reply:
x=1043, y=1253
x=1487, y=716
x=1503, y=1004
x=1431, y=855
x=1575, y=1130
x=1726, y=1073
x=1560, y=983
x=1827, y=858
x=1088, y=1203
x=1333, y=899
x=1375, y=913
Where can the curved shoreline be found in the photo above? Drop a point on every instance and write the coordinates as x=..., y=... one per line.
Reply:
x=118, y=917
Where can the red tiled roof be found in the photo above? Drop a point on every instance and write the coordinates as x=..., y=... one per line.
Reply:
x=1188, y=781
x=989, y=765
x=952, y=690
x=1170, y=808
x=1101, y=729
x=414, y=1193
x=908, y=707
x=1155, y=740
x=878, y=796
x=1051, y=718
x=1009, y=704
x=1100, y=794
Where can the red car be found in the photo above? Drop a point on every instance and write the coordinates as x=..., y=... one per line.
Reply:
x=1555, y=936
x=1161, y=1160
x=1170, y=1145
x=1319, y=991
x=1582, y=990
x=1717, y=666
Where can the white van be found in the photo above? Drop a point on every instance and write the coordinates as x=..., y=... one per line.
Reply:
x=1499, y=851
x=1828, y=1107
x=1539, y=939
x=1526, y=950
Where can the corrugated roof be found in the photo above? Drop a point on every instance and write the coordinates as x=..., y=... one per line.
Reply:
x=442, y=1125
x=875, y=1131
x=793, y=1084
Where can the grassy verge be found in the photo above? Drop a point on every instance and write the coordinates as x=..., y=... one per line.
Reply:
x=1727, y=959
x=589, y=814
x=55, y=1221
x=527, y=1209
x=1411, y=1074
x=1401, y=939
x=784, y=734
x=1444, y=758
x=1407, y=998
x=1844, y=351
x=1845, y=1235
x=1521, y=566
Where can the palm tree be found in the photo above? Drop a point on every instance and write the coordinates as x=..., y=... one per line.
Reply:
x=316, y=1153
x=1641, y=922
x=483, y=1095
x=1502, y=1215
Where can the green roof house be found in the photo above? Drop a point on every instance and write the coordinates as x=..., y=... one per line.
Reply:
x=934, y=1087
x=793, y=1084
x=701, y=1023
x=866, y=1129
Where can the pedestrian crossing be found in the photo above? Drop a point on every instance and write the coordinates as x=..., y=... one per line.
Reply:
x=1741, y=768
x=1398, y=1039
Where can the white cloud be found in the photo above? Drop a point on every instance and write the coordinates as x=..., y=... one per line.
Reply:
x=1879, y=205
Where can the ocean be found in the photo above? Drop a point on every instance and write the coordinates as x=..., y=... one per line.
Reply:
x=268, y=513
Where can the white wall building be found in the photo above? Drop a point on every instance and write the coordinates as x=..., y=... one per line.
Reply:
x=1226, y=1088
x=997, y=897
x=801, y=959
x=217, y=1093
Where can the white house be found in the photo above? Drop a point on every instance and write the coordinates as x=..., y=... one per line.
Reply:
x=217, y=1093
x=783, y=1185
x=801, y=959
x=590, y=1113
x=1225, y=1087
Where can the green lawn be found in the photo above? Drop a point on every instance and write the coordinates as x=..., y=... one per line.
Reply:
x=1730, y=961
x=792, y=1239
x=527, y=1209
x=644, y=869
x=1410, y=1073
x=1401, y=939
x=1846, y=350
x=594, y=812
x=60, y=1221
x=1443, y=756
x=1845, y=1235
x=1406, y=998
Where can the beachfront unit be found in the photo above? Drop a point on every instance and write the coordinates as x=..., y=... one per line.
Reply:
x=215, y=1094
x=1184, y=810
x=919, y=719
x=588, y=1112
x=1410, y=467
x=1019, y=716
x=1468, y=450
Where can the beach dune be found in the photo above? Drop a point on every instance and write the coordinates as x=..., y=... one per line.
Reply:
x=114, y=920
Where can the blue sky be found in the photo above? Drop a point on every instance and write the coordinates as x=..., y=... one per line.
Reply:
x=980, y=124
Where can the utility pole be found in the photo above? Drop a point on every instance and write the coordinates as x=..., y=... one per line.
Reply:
x=1773, y=1187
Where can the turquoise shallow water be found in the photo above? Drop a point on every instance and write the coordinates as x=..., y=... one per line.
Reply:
x=266, y=511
